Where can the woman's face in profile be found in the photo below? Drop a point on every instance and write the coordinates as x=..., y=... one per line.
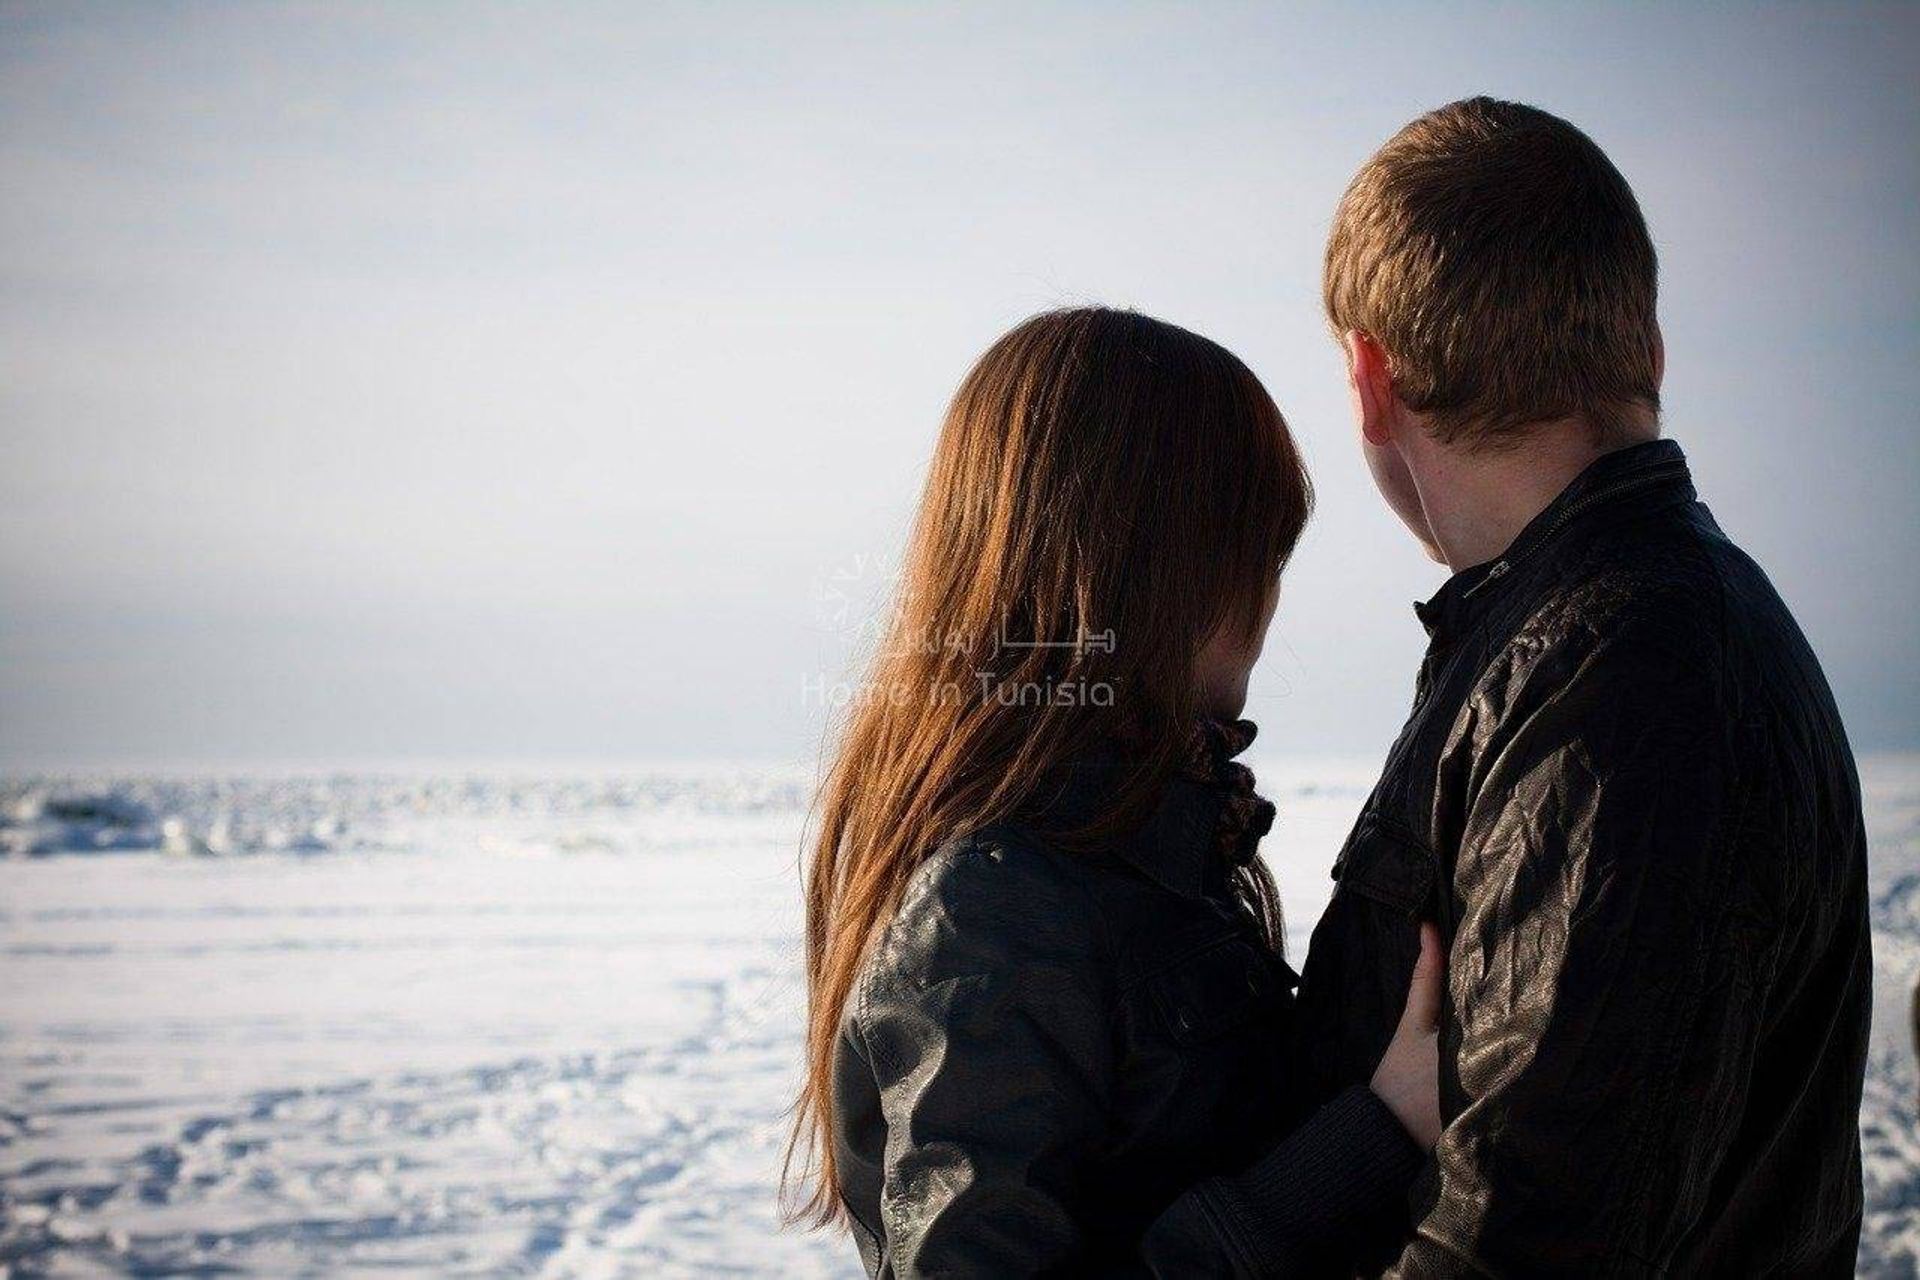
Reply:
x=1226, y=664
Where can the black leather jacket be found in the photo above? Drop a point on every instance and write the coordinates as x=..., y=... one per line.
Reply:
x=1625, y=794
x=1079, y=1064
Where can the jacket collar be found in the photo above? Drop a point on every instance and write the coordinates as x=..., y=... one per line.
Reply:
x=1176, y=846
x=1653, y=472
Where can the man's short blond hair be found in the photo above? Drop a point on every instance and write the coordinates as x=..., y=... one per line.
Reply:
x=1501, y=261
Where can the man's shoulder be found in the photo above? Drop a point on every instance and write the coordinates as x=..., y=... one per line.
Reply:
x=1675, y=580
x=1664, y=581
x=1664, y=604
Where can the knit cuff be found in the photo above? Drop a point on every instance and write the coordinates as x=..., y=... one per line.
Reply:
x=1308, y=1202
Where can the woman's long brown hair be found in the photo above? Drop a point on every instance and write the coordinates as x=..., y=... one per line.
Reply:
x=1108, y=492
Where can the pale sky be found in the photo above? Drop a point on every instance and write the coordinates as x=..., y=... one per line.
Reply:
x=522, y=382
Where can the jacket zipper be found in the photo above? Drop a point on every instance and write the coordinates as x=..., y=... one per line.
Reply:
x=1504, y=565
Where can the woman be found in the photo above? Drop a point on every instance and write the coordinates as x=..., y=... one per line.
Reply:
x=1048, y=1009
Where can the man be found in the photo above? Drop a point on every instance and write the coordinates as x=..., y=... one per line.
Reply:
x=1623, y=793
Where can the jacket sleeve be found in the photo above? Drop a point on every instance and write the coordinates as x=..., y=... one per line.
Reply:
x=987, y=1030
x=1606, y=1025
x=991, y=1035
x=1302, y=1209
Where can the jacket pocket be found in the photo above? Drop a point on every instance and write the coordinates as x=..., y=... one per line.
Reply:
x=1387, y=863
x=1363, y=954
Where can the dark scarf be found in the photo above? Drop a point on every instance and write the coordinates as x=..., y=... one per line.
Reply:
x=1215, y=857
x=1245, y=816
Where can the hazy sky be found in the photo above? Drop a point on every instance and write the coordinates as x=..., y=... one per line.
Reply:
x=531, y=382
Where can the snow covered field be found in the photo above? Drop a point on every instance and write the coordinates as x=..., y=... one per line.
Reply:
x=505, y=1024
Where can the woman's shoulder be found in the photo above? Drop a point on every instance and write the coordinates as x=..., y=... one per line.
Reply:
x=979, y=872
x=989, y=902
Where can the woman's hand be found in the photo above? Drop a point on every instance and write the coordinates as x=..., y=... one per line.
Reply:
x=1408, y=1077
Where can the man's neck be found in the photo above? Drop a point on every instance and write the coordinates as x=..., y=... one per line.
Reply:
x=1477, y=503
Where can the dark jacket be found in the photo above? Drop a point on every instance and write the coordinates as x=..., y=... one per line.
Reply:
x=1050, y=1051
x=1625, y=795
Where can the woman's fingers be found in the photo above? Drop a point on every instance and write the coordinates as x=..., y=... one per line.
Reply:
x=1422, y=1012
x=1408, y=1077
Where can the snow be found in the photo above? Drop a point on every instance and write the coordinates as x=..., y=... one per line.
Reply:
x=483, y=1023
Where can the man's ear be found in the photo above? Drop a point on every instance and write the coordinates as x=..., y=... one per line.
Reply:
x=1659, y=357
x=1370, y=379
